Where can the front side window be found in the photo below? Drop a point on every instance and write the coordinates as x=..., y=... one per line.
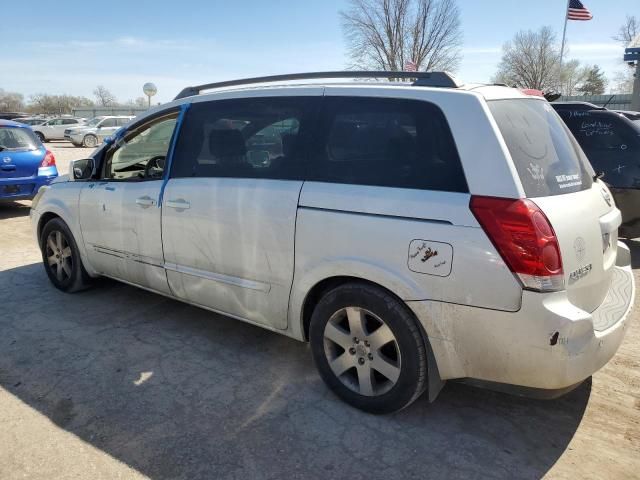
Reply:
x=141, y=153
x=109, y=122
x=389, y=143
x=242, y=138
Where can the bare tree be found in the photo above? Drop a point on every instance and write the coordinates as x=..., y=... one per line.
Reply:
x=56, y=104
x=629, y=30
x=572, y=76
x=530, y=60
x=11, y=101
x=387, y=34
x=104, y=97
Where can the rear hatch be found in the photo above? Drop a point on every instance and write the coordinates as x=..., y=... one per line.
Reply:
x=556, y=175
x=20, y=153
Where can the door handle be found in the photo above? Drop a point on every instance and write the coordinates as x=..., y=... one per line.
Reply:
x=178, y=204
x=145, y=202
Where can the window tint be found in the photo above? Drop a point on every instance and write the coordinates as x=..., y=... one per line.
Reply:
x=601, y=131
x=545, y=155
x=69, y=121
x=387, y=142
x=141, y=154
x=247, y=138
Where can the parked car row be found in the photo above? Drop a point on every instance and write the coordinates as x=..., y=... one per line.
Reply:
x=95, y=131
x=411, y=233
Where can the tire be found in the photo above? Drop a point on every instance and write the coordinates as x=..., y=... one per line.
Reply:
x=90, y=141
x=58, y=249
x=40, y=136
x=363, y=331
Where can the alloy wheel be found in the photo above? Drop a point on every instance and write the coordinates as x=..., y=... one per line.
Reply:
x=362, y=351
x=58, y=254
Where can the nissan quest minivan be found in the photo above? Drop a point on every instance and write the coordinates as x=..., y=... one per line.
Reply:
x=411, y=232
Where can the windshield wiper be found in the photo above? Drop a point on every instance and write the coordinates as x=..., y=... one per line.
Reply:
x=598, y=176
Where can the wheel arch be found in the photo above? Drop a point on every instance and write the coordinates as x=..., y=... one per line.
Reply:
x=43, y=220
x=435, y=383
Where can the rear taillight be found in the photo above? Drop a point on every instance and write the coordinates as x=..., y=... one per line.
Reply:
x=49, y=160
x=525, y=239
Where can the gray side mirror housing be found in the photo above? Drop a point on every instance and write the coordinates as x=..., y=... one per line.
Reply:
x=82, y=169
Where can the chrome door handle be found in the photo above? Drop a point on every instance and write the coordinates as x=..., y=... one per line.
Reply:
x=178, y=204
x=145, y=202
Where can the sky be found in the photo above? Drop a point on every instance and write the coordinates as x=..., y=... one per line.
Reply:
x=72, y=46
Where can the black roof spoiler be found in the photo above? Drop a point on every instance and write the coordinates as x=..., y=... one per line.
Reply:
x=421, y=79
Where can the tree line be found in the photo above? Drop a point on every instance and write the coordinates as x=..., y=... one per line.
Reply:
x=388, y=34
x=45, y=103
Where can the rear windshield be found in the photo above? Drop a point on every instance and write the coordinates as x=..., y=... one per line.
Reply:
x=546, y=156
x=12, y=138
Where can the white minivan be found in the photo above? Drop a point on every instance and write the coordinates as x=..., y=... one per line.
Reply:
x=413, y=233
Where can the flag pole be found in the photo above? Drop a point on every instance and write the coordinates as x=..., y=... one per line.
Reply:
x=564, y=33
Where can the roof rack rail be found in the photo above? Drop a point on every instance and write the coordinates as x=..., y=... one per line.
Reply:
x=422, y=79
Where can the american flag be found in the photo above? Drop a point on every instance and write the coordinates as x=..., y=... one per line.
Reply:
x=577, y=11
x=410, y=67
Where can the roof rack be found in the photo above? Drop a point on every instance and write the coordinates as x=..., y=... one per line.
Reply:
x=422, y=79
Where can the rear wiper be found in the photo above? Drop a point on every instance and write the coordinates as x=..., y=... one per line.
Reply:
x=2, y=147
x=598, y=176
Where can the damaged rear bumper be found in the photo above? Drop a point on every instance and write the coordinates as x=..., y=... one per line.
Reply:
x=548, y=344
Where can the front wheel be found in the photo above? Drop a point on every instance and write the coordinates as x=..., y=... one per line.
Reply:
x=368, y=348
x=61, y=257
x=90, y=141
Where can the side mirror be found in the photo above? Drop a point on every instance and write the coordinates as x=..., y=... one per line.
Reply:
x=82, y=169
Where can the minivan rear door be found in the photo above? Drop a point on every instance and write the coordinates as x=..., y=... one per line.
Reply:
x=556, y=175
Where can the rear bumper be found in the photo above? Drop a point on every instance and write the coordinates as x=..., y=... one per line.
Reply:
x=25, y=188
x=548, y=344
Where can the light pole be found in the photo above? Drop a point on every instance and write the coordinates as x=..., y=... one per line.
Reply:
x=149, y=90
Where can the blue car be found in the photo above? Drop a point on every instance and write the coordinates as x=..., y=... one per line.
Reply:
x=25, y=164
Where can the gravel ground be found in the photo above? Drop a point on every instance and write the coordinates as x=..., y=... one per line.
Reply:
x=116, y=382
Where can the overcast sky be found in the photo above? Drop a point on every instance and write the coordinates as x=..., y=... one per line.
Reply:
x=74, y=45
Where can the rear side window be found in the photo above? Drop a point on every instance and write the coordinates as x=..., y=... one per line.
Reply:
x=387, y=142
x=69, y=122
x=109, y=122
x=243, y=138
x=547, y=159
x=17, y=139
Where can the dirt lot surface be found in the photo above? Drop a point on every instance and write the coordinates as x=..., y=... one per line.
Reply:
x=116, y=382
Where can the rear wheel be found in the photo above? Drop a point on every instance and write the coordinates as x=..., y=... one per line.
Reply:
x=368, y=349
x=61, y=257
x=40, y=137
x=90, y=141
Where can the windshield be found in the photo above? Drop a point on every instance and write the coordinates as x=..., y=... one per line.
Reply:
x=94, y=121
x=12, y=138
x=546, y=156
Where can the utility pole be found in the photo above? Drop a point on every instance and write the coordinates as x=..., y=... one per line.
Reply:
x=632, y=56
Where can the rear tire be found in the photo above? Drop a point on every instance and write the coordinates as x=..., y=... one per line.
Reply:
x=61, y=257
x=368, y=348
x=90, y=141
